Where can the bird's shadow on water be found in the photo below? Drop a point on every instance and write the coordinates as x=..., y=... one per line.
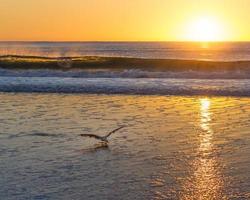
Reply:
x=103, y=146
x=36, y=134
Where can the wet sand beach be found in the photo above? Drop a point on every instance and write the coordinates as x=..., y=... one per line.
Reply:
x=173, y=147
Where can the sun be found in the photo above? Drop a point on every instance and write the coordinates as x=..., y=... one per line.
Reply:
x=205, y=29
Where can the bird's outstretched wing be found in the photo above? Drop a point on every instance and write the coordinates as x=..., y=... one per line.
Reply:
x=92, y=136
x=114, y=131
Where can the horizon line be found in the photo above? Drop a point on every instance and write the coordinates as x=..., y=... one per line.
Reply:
x=124, y=41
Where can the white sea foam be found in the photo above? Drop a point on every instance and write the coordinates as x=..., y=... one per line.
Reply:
x=149, y=86
x=126, y=73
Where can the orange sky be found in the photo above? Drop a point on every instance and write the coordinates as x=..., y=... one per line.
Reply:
x=120, y=20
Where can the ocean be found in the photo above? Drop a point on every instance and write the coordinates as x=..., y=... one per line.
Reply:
x=185, y=108
x=129, y=68
x=223, y=51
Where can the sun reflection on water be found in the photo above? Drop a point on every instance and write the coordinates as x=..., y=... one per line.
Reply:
x=207, y=132
x=205, y=181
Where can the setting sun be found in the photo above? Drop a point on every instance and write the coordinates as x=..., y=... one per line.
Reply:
x=205, y=29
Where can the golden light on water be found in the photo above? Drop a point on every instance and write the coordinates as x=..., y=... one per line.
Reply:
x=207, y=134
x=205, y=105
x=205, y=182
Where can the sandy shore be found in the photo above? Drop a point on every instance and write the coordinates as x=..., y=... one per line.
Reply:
x=172, y=148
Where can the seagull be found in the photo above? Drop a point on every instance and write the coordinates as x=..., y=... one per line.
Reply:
x=102, y=138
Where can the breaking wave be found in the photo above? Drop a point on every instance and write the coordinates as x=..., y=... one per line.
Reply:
x=120, y=67
x=126, y=73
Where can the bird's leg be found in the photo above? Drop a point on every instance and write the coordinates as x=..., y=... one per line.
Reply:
x=104, y=144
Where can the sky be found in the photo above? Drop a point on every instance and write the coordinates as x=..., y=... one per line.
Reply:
x=124, y=20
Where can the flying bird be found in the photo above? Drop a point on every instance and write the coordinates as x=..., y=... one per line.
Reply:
x=102, y=138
